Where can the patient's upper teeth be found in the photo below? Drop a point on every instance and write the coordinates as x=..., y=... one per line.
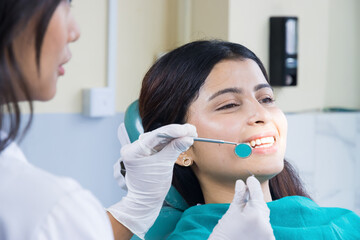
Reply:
x=262, y=141
x=264, y=145
x=267, y=140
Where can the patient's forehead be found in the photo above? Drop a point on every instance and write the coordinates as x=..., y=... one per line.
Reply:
x=244, y=74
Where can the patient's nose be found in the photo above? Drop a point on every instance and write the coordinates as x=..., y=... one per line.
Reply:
x=258, y=114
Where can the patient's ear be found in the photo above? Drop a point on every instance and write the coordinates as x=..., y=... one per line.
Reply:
x=184, y=159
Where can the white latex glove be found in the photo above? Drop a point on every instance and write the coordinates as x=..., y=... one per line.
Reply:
x=248, y=216
x=149, y=164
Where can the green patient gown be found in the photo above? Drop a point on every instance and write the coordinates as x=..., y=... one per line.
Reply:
x=292, y=218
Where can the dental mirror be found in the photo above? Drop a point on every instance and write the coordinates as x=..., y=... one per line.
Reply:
x=242, y=150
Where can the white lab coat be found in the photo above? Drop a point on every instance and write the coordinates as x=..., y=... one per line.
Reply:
x=35, y=204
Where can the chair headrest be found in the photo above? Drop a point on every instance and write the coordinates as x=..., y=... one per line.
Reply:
x=132, y=121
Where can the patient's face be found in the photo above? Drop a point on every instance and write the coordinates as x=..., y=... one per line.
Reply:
x=236, y=104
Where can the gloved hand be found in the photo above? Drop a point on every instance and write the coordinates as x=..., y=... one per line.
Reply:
x=149, y=163
x=248, y=216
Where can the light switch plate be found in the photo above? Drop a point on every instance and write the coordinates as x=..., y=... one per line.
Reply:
x=98, y=102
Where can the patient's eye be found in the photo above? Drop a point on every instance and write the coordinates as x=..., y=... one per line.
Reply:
x=267, y=100
x=228, y=106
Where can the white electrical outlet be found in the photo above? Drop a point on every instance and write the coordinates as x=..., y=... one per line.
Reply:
x=98, y=102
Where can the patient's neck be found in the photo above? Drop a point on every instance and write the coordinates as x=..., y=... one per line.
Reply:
x=224, y=193
x=266, y=191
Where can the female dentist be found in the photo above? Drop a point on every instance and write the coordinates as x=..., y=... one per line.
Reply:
x=34, y=204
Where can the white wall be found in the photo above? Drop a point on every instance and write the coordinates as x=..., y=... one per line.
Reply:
x=343, y=72
x=328, y=50
x=209, y=19
x=146, y=28
x=321, y=147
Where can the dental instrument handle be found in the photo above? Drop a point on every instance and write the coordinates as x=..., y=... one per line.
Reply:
x=199, y=139
x=213, y=141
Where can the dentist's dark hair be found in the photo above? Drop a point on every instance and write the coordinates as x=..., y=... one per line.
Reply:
x=15, y=17
x=173, y=83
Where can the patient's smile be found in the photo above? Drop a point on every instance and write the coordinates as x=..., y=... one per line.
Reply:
x=262, y=142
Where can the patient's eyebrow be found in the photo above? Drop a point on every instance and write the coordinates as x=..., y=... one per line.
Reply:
x=238, y=90
x=226, y=90
x=260, y=86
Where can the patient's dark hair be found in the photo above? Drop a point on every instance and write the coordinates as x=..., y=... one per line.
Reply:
x=173, y=83
x=15, y=16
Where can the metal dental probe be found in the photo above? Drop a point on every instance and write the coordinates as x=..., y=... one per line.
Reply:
x=242, y=150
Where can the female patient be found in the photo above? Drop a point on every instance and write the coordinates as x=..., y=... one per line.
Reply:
x=222, y=88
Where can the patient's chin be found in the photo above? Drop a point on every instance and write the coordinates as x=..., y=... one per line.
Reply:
x=267, y=172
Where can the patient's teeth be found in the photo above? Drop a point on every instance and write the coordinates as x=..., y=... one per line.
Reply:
x=264, y=145
x=267, y=140
x=262, y=142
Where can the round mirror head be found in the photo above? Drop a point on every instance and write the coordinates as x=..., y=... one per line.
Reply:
x=243, y=150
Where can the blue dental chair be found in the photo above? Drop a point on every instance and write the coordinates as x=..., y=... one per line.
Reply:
x=174, y=204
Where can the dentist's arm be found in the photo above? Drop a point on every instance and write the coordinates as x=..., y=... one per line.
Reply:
x=248, y=216
x=149, y=164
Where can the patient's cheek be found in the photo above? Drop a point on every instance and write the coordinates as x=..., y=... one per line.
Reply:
x=224, y=128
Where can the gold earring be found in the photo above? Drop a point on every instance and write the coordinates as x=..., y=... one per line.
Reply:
x=187, y=161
